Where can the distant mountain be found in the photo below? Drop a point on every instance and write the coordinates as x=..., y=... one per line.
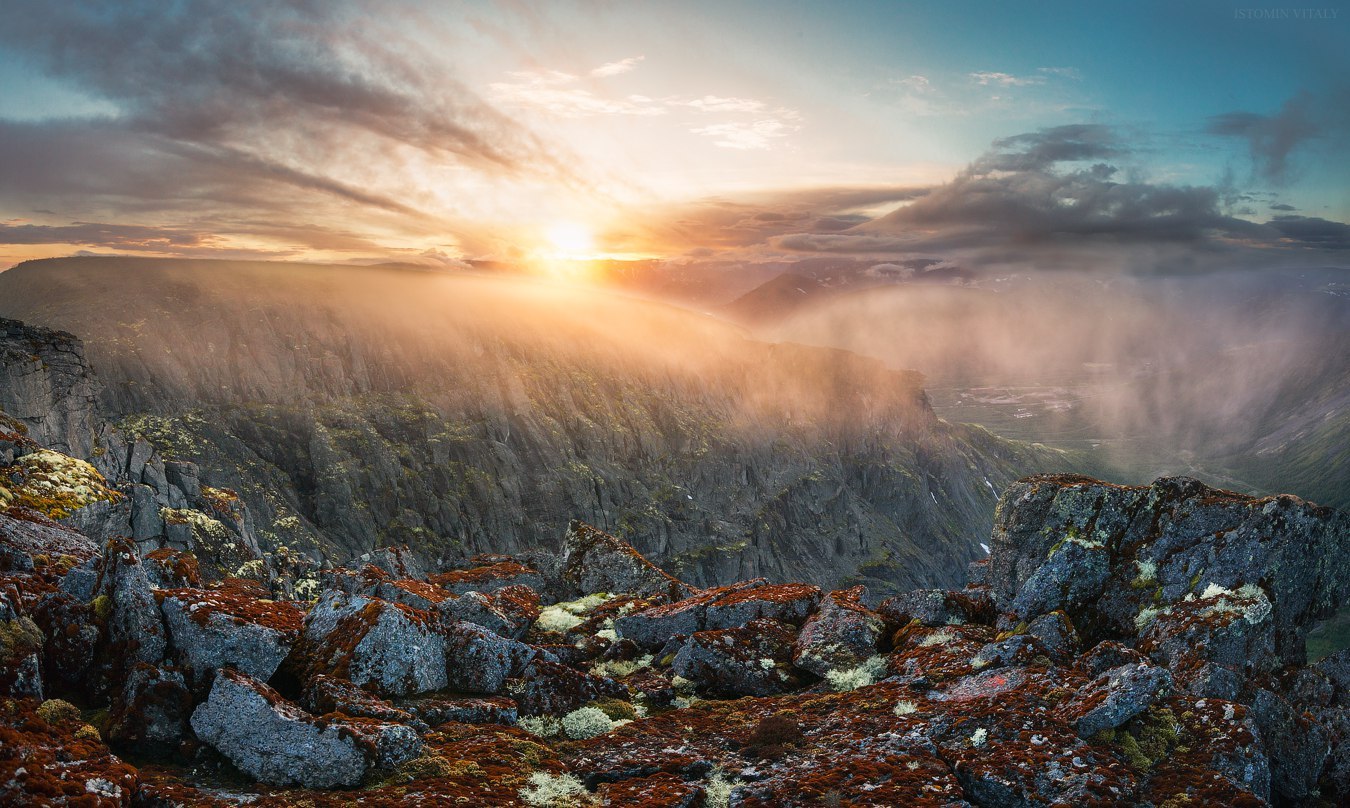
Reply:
x=354, y=407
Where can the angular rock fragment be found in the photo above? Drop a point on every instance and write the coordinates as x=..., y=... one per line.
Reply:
x=753, y=660
x=394, y=649
x=276, y=742
x=477, y=660
x=842, y=635
x=723, y=607
x=219, y=627
x=488, y=578
x=549, y=688
x=1116, y=696
x=594, y=561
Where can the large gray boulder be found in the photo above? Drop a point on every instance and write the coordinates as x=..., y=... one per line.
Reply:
x=394, y=649
x=722, y=607
x=753, y=660
x=215, y=628
x=1110, y=556
x=1116, y=696
x=276, y=742
x=594, y=561
x=842, y=635
x=477, y=660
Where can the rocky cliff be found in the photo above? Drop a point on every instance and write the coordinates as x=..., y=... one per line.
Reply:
x=1120, y=647
x=357, y=407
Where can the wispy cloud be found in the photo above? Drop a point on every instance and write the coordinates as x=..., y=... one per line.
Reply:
x=616, y=68
x=1005, y=79
x=562, y=95
x=759, y=134
x=1272, y=138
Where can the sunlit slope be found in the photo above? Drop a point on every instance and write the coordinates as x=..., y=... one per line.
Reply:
x=465, y=414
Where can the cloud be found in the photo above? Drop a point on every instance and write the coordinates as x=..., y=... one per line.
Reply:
x=1283, y=207
x=1272, y=138
x=127, y=237
x=289, y=112
x=746, y=136
x=713, y=103
x=1055, y=191
x=986, y=79
x=560, y=94
x=1313, y=231
x=617, y=68
x=1061, y=72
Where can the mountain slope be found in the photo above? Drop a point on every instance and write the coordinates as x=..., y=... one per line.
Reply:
x=355, y=407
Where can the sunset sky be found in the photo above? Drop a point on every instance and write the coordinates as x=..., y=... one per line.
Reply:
x=360, y=131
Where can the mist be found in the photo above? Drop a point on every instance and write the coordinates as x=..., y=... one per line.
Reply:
x=1214, y=374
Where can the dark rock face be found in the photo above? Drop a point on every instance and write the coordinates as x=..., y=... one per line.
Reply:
x=47, y=386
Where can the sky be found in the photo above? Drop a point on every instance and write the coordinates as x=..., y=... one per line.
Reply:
x=1155, y=136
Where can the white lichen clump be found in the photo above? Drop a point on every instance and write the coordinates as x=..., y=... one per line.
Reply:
x=562, y=617
x=552, y=790
x=545, y=726
x=717, y=790
x=979, y=736
x=937, y=638
x=619, y=668
x=904, y=708
x=1148, y=571
x=869, y=672
x=588, y=722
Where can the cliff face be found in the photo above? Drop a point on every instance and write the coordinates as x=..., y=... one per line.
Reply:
x=46, y=385
x=356, y=407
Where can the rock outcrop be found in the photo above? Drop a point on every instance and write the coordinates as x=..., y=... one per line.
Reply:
x=1170, y=672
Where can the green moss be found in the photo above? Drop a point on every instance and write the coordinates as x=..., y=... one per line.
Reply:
x=18, y=639
x=616, y=709
x=102, y=608
x=56, y=711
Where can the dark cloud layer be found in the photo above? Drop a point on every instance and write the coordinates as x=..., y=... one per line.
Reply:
x=1058, y=189
x=242, y=108
x=1272, y=138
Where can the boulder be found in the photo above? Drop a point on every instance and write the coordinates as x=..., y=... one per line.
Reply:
x=938, y=607
x=327, y=694
x=1109, y=554
x=21, y=644
x=276, y=742
x=842, y=635
x=436, y=709
x=477, y=660
x=223, y=626
x=394, y=649
x=134, y=628
x=1219, y=630
x=550, y=688
x=151, y=712
x=594, y=561
x=1298, y=748
x=168, y=568
x=753, y=660
x=723, y=607
x=397, y=562
x=1115, y=697
x=488, y=578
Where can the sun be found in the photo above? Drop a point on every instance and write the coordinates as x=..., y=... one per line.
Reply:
x=570, y=240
